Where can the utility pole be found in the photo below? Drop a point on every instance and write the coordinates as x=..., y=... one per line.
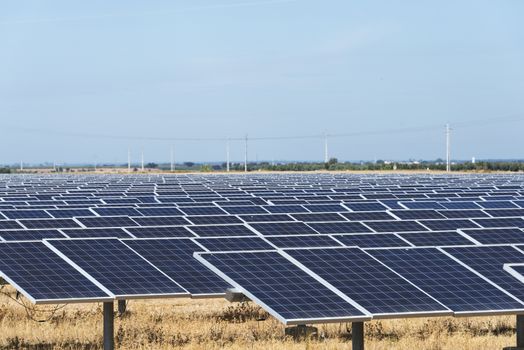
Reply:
x=54, y=166
x=326, y=155
x=227, y=155
x=21, y=165
x=448, y=150
x=142, y=160
x=172, y=158
x=245, y=156
x=128, y=160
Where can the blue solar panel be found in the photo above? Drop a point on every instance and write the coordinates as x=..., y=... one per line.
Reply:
x=118, y=268
x=435, y=238
x=489, y=261
x=214, y=220
x=70, y=213
x=463, y=214
x=460, y=205
x=325, y=208
x=303, y=241
x=497, y=204
x=368, y=282
x=318, y=217
x=25, y=214
x=368, y=216
x=446, y=280
x=501, y=222
x=422, y=205
x=497, y=235
x=252, y=209
x=286, y=291
x=283, y=228
x=417, y=214
x=371, y=206
x=222, y=230
x=9, y=224
x=28, y=235
x=118, y=211
x=161, y=221
x=339, y=227
x=96, y=232
x=203, y=211
x=48, y=223
x=448, y=224
x=505, y=212
x=234, y=244
x=160, y=211
x=160, y=231
x=370, y=240
x=107, y=221
x=395, y=226
x=266, y=218
x=285, y=209
x=175, y=258
x=42, y=276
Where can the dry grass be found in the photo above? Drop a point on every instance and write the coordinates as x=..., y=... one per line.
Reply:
x=216, y=324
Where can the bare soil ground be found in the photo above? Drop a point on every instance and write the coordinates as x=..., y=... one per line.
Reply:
x=216, y=324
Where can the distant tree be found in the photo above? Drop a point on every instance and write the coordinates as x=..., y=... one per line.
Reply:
x=189, y=164
x=205, y=168
x=151, y=165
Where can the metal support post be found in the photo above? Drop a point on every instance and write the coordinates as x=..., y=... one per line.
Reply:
x=109, y=326
x=357, y=336
x=122, y=307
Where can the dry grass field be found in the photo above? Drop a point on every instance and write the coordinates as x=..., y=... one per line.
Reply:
x=217, y=324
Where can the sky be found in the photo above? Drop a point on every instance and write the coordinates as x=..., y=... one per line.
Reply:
x=83, y=82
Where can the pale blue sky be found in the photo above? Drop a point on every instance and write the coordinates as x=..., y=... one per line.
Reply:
x=219, y=68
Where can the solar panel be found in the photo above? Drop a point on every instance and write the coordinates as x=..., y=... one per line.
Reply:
x=368, y=216
x=286, y=291
x=174, y=257
x=285, y=209
x=96, y=232
x=370, y=240
x=222, y=230
x=43, y=277
x=48, y=223
x=28, y=235
x=218, y=244
x=422, y=205
x=70, y=213
x=160, y=211
x=448, y=224
x=25, y=214
x=369, y=283
x=371, y=206
x=325, y=208
x=448, y=281
x=459, y=205
x=417, y=214
x=202, y=211
x=107, y=221
x=497, y=204
x=266, y=218
x=339, y=227
x=395, y=226
x=252, y=209
x=462, y=214
x=214, y=220
x=282, y=228
x=435, y=238
x=161, y=221
x=489, y=262
x=505, y=212
x=9, y=224
x=160, y=231
x=318, y=217
x=302, y=241
x=116, y=211
x=500, y=222
x=496, y=235
x=117, y=268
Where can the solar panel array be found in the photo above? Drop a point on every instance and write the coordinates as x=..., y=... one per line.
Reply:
x=306, y=247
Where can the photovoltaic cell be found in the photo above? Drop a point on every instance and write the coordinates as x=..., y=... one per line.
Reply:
x=448, y=224
x=339, y=227
x=285, y=209
x=283, y=228
x=371, y=206
x=161, y=221
x=174, y=257
x=160, y=211
x=368, y=216
x=96, y=232
x=368, y=282
x=371, y=240
x=117, y=268
x=318, y=217
x=289, y=293
x=43, y=276
x=116, y=211
x=303, y=241
x=252, y=209
x=395, y=226
x=417, y=214
x=214, y=220
x=435, y=238
x=234, y=244
x=203, y=211
x=107, y=221
x=160, y=231
x=501, y=222
x=48, y=223
x=446, y=280
x=25, y=214
x=28, y=235
x=266, y=218
x=497, y=235
x=489, y=261
x=70, y=213
x=222, y=230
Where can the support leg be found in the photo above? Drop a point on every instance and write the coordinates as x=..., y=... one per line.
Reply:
x=520, y=331
x=109, y=326
x=122, y=305
x=357, y=336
